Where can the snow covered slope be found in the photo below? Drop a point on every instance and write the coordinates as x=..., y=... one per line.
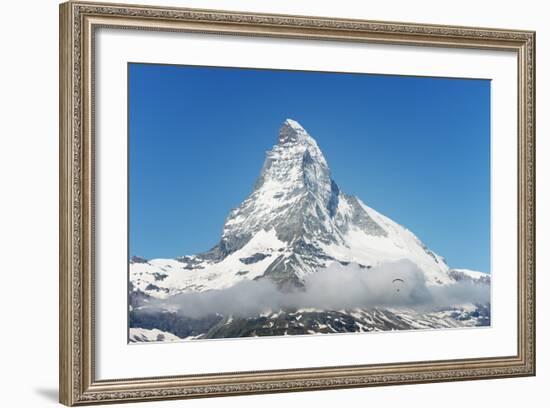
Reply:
x=138, y=335
x=295, y=221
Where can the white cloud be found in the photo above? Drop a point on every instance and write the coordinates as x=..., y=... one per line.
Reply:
x=334, y=288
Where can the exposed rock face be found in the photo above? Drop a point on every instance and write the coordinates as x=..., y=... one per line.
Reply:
x=138, y=259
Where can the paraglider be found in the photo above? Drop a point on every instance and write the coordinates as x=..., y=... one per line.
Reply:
x=398, y=283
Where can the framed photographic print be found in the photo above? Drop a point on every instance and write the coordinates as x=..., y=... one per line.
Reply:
x=262, y=203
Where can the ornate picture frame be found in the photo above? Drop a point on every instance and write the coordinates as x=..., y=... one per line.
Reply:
x=79, y=22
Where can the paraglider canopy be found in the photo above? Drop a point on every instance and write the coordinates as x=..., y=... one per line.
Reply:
x=398, y=282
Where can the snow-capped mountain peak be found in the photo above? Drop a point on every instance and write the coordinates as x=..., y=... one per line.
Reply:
x=295, y=221
x=294, y=189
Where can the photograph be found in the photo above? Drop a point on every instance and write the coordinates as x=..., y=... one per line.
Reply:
x=267, y=202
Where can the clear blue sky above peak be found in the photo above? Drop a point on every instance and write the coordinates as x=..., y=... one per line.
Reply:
x=415, y=149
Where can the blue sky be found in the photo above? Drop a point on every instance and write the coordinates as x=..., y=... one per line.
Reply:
x=415, y=149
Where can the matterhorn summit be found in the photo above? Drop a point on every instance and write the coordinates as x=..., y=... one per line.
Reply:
x=294, y=221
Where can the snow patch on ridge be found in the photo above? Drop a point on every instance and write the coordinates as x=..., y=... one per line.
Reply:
x=139, y=335
x=206, y=275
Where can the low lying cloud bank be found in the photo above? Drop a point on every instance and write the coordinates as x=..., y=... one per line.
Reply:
x=396, y=284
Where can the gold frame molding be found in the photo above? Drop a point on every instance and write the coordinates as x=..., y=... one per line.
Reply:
x=78, y=22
